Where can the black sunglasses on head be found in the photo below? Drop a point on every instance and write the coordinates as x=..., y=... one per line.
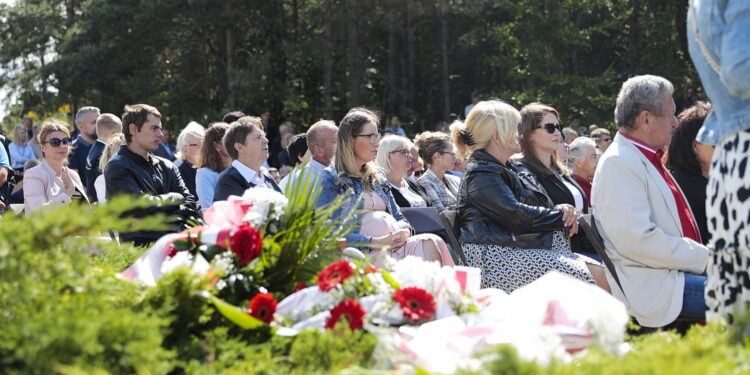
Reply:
x=56, y=142
x=550, y=127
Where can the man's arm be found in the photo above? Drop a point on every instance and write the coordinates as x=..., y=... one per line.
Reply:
x=623, y=212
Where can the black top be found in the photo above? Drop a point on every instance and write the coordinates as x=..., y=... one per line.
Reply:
x=415, y=187
x=560, y=194
x=92, y=168
x=231, y=182
x=694, y=187
x=77, y=158
x=501, y=204
x=155, y=178
x=188, y=172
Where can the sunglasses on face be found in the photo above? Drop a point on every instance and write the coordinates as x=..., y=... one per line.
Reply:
x=56, y=142
x=550, y=127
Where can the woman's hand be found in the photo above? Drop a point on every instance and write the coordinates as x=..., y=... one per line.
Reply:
x=394, y=240
x=67, y=181
x=570, y=218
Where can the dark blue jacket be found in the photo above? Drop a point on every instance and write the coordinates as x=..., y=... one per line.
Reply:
x=231, y=182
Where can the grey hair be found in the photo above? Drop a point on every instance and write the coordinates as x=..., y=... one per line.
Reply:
x=83, y=111
x=193, y=128
x=638, y=94
x=577, y=149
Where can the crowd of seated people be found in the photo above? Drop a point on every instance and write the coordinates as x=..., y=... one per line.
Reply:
x=517, y=184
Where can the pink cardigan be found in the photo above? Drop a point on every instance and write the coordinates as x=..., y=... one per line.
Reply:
x=42, y=187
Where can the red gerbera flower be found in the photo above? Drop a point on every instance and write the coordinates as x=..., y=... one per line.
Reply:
x=262, y=307
x=334, y=274
x=371, y=269
x=416, y=303
x=246, y=243
x=351, y=311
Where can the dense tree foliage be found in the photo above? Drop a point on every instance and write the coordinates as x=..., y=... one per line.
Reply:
x=309, y=59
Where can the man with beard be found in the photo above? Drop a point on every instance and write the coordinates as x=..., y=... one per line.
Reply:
x=137, y=171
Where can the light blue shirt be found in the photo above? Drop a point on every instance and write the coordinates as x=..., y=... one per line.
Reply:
x=313, y=168
x=205, y=185
x=20, y=154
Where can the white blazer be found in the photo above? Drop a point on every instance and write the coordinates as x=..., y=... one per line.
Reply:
x=637, y=216
x=42, y=187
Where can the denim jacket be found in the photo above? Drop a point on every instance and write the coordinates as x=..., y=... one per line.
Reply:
x=718, y=39
x=334, y=185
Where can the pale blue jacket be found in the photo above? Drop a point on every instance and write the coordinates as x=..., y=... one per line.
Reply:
x=719, y=43
x=334, y=185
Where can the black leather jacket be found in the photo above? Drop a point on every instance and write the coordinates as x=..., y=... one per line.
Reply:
x=155, y=178
x=504, y=205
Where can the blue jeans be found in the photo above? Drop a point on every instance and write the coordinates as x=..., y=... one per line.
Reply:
x=693, y=297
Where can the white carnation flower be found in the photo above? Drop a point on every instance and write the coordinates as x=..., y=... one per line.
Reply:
x=268, y=204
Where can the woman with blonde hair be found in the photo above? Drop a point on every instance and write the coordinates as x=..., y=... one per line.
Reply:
x=394, y=159
x=438, y=153
x=52, y=182
x=381, y=225
x=508, y=226
x=20, y=149
x=110, y=150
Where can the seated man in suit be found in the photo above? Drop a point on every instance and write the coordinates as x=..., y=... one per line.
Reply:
x=647, y=225
x=246, y=143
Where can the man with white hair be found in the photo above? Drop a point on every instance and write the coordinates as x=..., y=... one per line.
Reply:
x=188, y=147
x=583, y=158
x=85, y=121
x=645, y=221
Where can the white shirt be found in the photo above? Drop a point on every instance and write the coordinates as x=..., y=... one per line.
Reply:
x=250, y=175
x=576, y=194
x=100, y=185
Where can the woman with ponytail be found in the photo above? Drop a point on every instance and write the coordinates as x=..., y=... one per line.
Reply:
x=508, y=226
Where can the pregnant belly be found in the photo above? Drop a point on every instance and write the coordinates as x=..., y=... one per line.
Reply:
x=378, y=223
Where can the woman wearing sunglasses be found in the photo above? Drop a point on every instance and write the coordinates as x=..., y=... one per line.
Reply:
x=541, y=144
x=51, y=182
x=379, y=223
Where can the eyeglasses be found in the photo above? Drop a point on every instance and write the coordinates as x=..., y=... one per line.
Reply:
x=372, y=137
x=550, y=127
x=605, y=140
x=405, y=153
x=56, y=142
x=193, y=145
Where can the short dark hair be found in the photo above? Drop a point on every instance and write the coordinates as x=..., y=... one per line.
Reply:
x=232, y=117
x=681, y=154
x=136, y=114
x=238, y=131
x=297, y=148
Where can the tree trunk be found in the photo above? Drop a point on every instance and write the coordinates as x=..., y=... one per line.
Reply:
x=328, y=63
x=392, y=96
x=229, y=46
x=444, y=47
x=354, y=54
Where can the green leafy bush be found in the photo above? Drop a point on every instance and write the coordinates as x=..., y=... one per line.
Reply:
x=64, y=310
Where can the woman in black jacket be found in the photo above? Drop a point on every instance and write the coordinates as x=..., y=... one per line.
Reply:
x=508, y=226
x=538, y=145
